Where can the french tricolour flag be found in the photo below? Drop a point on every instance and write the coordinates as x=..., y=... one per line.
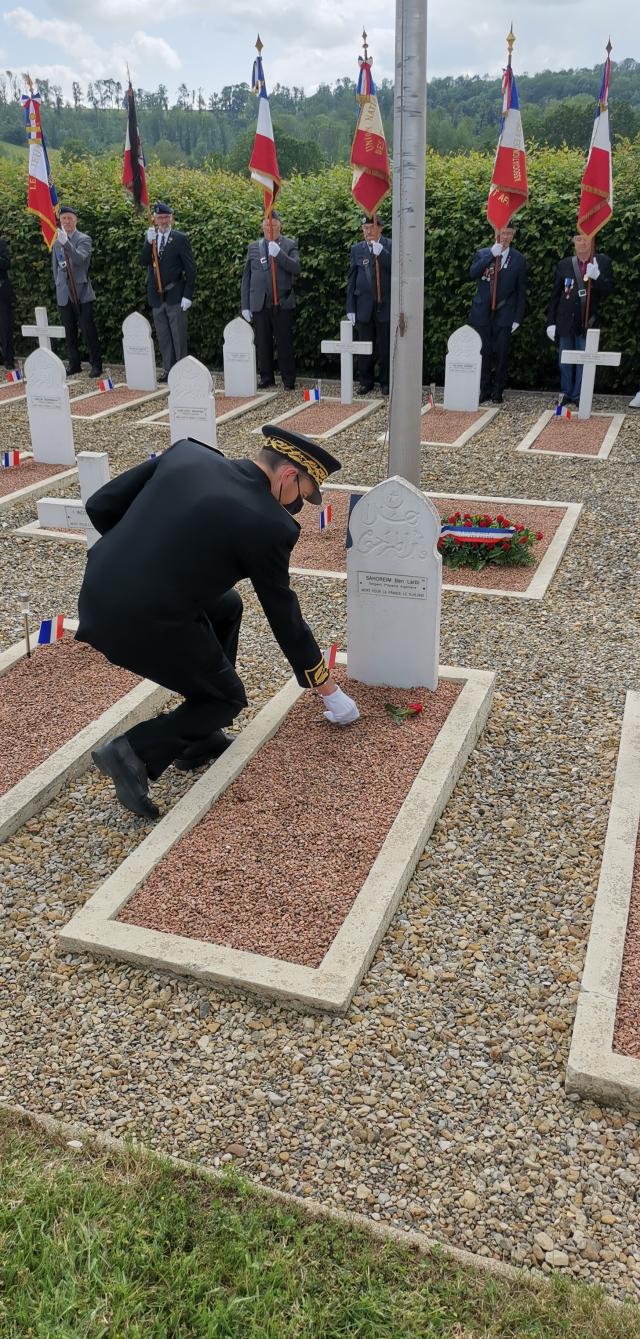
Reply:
x=15, y=375
x=330, y=656
x=476, y=534
x=562, y=411
x=326, y=517
x=105, y=384
x=9, y=459
x=51, y=630
x=263, y=163
x=509, y=188
x=596, y=196
x=313, y=394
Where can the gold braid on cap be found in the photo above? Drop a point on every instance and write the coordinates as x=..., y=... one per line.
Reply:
x=296, y=456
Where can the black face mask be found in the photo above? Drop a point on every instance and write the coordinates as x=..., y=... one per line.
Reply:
x=292, y=507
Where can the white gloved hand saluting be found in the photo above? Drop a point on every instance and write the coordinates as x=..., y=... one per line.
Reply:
x=515, y=326
x=376, y=247
x=62, y=237
x=551, y=332
x=342, y=709
x=185, y=303
x=247, y=314
x=151, y=234
x=351, y=316
x=274, y=249
x=593, y=270
x=496, y=249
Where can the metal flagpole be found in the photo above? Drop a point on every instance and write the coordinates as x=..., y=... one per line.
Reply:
x=407, y=267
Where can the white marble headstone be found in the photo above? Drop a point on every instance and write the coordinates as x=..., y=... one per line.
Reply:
x=462, y=370
x=394, y=588
x=61, y=513
x=239, y=359
x=48, y=409
x=139, y=353
x=192, y=405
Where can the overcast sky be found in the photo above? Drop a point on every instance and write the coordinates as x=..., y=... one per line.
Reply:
x=207, y=43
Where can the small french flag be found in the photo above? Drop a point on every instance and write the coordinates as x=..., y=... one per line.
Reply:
x=51, y=630
x=9, y=459
x=330, y=656
x=15, y=375
x=326, y=517
x=313, y=394
x=430, y=400
x=105, y=384
x=563, y=411
x=153, y=455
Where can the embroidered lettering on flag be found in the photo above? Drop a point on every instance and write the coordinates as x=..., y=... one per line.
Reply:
x=371, y=180
x=330, y=656
x=476, y=534
x=509, y=189
x=313, y=394
x=10, y=459
x=105, y=384
x=326, y=517
x=15, y=375
x=51, y=630
x=42, y=197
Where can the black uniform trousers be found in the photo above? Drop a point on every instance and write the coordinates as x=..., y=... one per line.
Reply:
x=275, y=325
x=379, y=332
x=6, y=335
x=80, y=318
x=212, y=698
x=496, y=343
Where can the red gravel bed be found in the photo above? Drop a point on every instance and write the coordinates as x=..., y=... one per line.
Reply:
x=45, y=701
x=446, y=425
x=583, y=436
x=626, y=1035
x=278, y=861
x=102, y=401
x=325, y=550
x=27, y=472
x=319, y=417
x=12, y=391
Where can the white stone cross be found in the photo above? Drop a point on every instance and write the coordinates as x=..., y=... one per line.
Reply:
x=42, y=331
x=589, y=359
x=347, y=347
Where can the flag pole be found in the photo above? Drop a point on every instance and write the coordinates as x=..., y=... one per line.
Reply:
x=496, y=269
x=24, y=605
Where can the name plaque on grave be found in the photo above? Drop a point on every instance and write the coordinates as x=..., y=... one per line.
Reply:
x=392, y=584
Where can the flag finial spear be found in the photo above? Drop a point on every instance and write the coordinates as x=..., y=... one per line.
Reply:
x=365, y=46
x=511, y=37
x=259, y=45
x=609, y=47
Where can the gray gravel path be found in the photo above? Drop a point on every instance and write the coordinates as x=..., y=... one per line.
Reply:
x=438, y=1102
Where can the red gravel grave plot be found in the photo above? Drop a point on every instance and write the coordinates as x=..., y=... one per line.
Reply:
x=582, y=436
x=325, y=551
x=316, y=418
x=103, y=401
x=278, y=861
x=46, y=700
x=626, y=1035
x=446, y=425
x=14, y=390
x=28, y=472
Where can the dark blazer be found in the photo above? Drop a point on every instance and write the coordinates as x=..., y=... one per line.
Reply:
x=77, y=253
x=361, y=282
x=177, y=533
x=7, y=294
x=177, y=270
x=565, y=310
x=257, y=286
x=512, y=289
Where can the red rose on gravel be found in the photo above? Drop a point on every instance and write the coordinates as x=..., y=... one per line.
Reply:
x=416, y=707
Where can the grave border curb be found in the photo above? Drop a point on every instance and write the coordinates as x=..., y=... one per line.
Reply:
x=594, y=1069
x=526, y=445
x=119, y=408
x=330, y=986
x=38, y=489
x=30, y=795
x=33, y=530
x=364, y=411
x=463, y=437
x=260, y=398
x=541, y=577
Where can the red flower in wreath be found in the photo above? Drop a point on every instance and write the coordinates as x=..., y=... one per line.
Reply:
x=539, y=534
x=522, y=539
x=505, y=544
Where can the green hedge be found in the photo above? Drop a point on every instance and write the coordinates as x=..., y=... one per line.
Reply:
x=221, y=213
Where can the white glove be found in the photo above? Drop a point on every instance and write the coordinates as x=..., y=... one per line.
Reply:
x=151, y=234
x=551, y=332
x=62, y=237
x=593, y=270
x=185, y=303
x=342, y=709
x=496, y=249
x=376, y=247
x=515, y=326
x=274, y=249
x=247, y=314
x=351, y=316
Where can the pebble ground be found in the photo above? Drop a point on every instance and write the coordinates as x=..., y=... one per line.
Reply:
x=438, y=1102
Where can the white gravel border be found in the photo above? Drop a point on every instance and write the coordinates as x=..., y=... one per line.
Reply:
x=605, y=450
x=36, y=789
x=259, y=399
x=332, y=985
x=541, y=577
x=119, y=408
x=594, y=1069
x=369, y=407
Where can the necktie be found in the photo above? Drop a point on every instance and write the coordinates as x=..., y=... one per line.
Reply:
x=163, y=243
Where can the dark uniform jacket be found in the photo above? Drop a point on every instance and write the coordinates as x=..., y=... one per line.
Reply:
x=511, y=292
x=568, y=300
x=177, y=270
x=361, y=282
x=6, y=290
x=177, y=533
x=257, y=285
x=77, y=253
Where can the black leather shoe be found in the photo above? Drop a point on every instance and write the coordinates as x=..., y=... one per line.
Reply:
x=163, y=376
x=365, y=390
x=197, y=756
x=95, y=372
x=486, y=399
x=118, y=761
x=497, y=398
x=384, y=390
x=263, y=384
x=289, y=385
x=73, y=370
